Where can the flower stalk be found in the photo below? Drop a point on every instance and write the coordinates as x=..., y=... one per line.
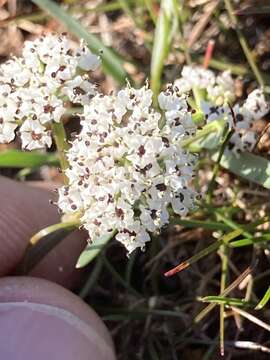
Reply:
x=59, y=135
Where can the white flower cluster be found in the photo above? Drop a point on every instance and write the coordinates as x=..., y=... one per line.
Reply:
x=216, y=88
x=35, y=87
x=217, y=93
x=242, y=118
x=128, y=169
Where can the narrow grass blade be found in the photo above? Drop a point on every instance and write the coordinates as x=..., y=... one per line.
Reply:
x=92, y=250
x=223, y=280
x=226, y=135
x=248, y=241
x=223, y=240
x=222, y=300
x=111, y=62
x=264, y=300
x=93, y=277
x=53, y=228
x=119, y=278
x=243, y=42
x=60, y=138
x=43, y=243
x=232, y=286
x=234, y=225
x=23, y=159
x=162, y=41
x=208, y=225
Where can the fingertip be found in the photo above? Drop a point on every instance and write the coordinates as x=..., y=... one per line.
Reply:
x=41, y=320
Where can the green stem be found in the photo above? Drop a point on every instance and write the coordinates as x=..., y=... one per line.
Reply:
x=217, y=167
x=60, y=139
x=232, y=286
x=225, y=239
x=211, y=128
x=243, y=43
x=223, y=280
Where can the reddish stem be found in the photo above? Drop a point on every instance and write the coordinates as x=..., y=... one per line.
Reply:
x=177, y=269
x=208, y=53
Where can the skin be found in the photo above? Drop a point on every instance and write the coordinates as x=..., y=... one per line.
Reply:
x=40, y=319
x=24, y=210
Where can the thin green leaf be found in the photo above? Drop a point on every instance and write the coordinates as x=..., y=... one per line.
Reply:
x=119, y=278
x=264, y=300
x=250, y=241
x=225, y=239
x=93, y=278
x=232, y=286
x=224, y=255
x=234, y=225
x=46, y=240
x=66, y=226
x=162, y=41
x=208, y=225
x=23, y=159
x=92, y=250
x=243, y=42
x=222, y=300
x=248, y=166
x=111, y=62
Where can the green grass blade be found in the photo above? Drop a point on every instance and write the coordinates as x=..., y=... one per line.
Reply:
x=222, y=300
x=243, y=42
x=224, y=254
x=194, y=224
x=92, y=250
x=225, y=239
x=162, y=40
x=71, y=225
x=250, y=241
x=42, y=243
x=111, y=62
x=264, y=300
x=25, y=159
x=232, y=286
x=119, y=278
x=93, y=277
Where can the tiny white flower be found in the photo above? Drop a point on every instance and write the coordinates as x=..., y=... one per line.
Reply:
x=198, y=76
x=213, y=112
x=86, y=60
x=34, y=135
x=7, y=130
x=256, y=104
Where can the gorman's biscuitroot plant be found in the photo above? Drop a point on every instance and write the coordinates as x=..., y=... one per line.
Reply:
x=129, y=170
